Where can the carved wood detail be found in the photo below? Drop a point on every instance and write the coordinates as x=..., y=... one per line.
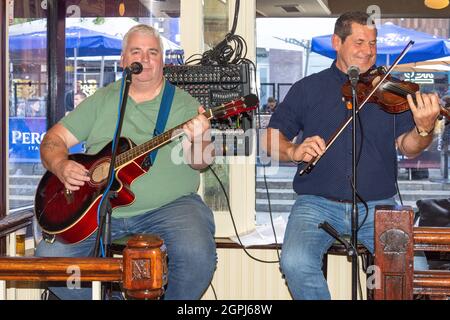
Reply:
x=395, y=242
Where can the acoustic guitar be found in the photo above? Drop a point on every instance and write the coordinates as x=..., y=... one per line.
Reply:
x=71, y=216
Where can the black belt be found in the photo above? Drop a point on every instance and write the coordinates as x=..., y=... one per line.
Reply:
x=341, y=200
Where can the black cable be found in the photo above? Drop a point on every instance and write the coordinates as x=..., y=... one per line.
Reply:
x=236, y=16
x=45, y=294
x=358, y=158
x=357, y=163
x=258, y=117
x=268, y=197
x=366, y=207
x=359, y=279
x=396, y=173
x=214, y=290
x=357, y=230
x=194, y=61
x=180, y=58
x=398, y=192
x=234, y=223
x=231, y=50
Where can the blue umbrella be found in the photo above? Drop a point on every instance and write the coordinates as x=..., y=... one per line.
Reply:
x=80, y=42
x=87, y=42
x=391, y=40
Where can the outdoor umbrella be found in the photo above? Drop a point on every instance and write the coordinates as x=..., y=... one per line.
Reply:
x=85, y=42
x=80, y=42
x=391, y=40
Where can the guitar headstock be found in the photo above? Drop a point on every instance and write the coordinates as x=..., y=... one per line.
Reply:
x=244, y=104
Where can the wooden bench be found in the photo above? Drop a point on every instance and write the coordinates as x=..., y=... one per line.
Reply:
x=395, y=242
x=226, y=243
x=142, y=269
x=336, y=249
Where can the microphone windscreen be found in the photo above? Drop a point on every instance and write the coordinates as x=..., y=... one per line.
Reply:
x=136, y=67
x=353, y=71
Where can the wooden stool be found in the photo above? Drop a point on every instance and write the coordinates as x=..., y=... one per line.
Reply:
x=338, y=249
x=144, y=267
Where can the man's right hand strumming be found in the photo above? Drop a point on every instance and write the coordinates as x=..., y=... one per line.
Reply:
x=72, y=174
x=54, y=156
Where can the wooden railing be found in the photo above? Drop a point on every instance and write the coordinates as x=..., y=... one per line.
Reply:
x=395, y=242
x=143, y=268
x=15, y=221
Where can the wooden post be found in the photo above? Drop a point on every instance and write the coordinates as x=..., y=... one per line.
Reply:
x=145, y=267
x=394, y=252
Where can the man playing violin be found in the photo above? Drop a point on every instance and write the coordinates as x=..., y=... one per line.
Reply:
x=314, y=106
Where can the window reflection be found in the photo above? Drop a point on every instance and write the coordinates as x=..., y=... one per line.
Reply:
x=27, y=107
x=215, y=13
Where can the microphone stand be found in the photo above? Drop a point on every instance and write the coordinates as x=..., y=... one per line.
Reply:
x=352, y=252
x=104, y=227
x=354, y=224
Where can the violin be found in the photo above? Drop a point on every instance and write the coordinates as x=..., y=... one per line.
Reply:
x=390, y=95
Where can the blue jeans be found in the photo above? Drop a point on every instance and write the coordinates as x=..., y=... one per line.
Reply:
x=187, y=227
x=305, y=244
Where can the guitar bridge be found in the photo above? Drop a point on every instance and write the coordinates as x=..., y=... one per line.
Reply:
x=68, y=194
x=49, y=238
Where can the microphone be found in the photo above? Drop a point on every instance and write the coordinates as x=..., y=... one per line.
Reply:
x=353, y=75
x=134, y=68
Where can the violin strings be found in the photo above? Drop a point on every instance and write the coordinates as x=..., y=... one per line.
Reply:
x=397, y=89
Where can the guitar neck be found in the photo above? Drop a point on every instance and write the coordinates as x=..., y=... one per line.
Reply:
x=243, y=104
x=154, y=143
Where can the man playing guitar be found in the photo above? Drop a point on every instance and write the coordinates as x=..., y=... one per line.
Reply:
x=165, y=203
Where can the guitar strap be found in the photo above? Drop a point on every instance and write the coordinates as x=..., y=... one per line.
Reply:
x=163, y=115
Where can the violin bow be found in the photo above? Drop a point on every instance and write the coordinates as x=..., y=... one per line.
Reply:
x=312, y=163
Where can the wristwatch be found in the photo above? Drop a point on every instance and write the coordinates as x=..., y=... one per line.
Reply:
x=424, y=133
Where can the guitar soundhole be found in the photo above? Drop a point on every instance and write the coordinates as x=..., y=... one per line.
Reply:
x=100, y=172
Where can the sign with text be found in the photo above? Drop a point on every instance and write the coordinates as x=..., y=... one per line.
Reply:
x=420, y=77
x=25, y=136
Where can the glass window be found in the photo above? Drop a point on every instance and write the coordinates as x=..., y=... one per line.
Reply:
x=27, y=101
x=215, y=13
x=213, y=193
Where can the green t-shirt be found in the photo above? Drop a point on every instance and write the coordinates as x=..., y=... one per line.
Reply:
x=94, y=121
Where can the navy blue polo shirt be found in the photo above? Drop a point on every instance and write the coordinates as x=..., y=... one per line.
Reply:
x=314, y=106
